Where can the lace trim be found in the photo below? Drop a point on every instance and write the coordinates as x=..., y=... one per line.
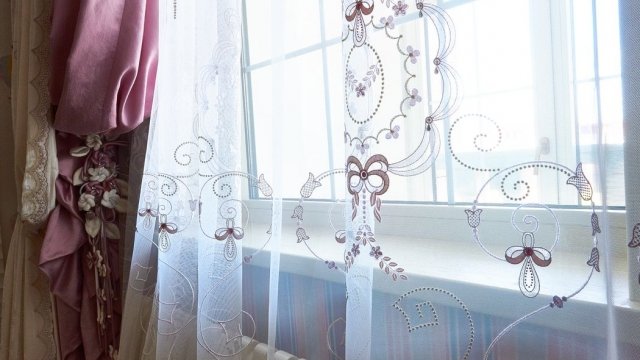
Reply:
x=35, y=186
x=35, y=195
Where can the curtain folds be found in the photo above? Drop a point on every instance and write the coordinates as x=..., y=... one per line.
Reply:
x=184, y=296
x=27, y=319
x=103, y=63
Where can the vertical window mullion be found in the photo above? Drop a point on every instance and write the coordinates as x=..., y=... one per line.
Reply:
x=327, y=98
x=249, y=131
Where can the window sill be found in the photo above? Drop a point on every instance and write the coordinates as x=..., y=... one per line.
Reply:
x=451, y=260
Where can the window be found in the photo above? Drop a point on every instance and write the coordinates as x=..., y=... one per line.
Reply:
x=503, y=63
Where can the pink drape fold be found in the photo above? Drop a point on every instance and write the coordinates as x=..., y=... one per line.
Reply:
x=103, y=59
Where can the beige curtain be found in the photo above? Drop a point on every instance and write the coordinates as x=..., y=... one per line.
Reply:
x=27, y=323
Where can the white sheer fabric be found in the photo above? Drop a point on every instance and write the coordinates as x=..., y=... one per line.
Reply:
x=184, y=297
x=213, y=274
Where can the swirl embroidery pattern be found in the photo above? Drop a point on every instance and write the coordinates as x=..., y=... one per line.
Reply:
x=529, y=254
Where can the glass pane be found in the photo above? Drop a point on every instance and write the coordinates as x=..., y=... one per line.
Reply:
x=303, y=126
x=302, y=28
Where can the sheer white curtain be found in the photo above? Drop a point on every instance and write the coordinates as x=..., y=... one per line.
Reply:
x=185, y=286
x=523, y=260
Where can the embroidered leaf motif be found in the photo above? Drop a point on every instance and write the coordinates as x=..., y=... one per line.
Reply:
x=264, y=187
x=376, y=209
x=595, y=225
x=164, y=241
x=635, y=236
x=297, y=212
x=354, y=208
x=301, y=234
x=230, y=249
x=594, y=259
x=529, y=282
x=580, y=181
x=309, y=186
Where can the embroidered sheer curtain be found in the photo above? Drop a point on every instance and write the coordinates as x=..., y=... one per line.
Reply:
x=220, y=262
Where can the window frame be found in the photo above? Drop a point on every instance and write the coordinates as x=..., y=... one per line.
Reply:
x=423, y=213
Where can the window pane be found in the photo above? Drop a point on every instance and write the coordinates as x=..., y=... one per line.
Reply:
x=302, y=28
x=531, y=72
x=303, y=126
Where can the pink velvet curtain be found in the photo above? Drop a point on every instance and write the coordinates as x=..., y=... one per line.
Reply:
x=103, y=60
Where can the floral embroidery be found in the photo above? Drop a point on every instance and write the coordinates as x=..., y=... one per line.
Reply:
x=393, y=133
x=413, y=54
x=360, y=89
x=365, y=237
x=400, y=8
x=530, y=255
x=362, y=148
x=230, y=234
x=414, y=98
x=420, y=7
x=355, y=12
x=387, y=22
x=355, y=250
x=375, y=252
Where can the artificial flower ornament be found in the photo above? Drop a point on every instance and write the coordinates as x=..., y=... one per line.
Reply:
x=86, y=202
